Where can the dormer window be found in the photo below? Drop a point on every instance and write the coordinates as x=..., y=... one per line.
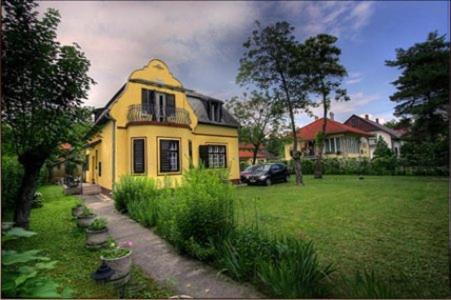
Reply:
x=214, y=110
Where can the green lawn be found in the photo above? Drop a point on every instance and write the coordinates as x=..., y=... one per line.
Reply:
x=393, y=225
x=60, y=239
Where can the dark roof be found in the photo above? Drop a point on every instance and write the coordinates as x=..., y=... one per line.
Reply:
x=381, y=127
x=198, y=103
x=196, y=100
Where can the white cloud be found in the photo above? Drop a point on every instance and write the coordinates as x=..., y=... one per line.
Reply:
x=354, y=77
x=119, y=37
x=344, y=19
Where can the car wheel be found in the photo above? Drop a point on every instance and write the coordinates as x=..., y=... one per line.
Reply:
x=268, y=181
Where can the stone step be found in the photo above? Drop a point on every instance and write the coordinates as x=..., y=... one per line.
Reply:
x=91, y=189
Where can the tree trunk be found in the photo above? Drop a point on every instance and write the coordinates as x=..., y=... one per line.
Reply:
x=27, y=190
x=254, y=154
x=295, y=154
x=319, y=165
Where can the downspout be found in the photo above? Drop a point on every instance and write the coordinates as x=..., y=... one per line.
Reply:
x=113, y=169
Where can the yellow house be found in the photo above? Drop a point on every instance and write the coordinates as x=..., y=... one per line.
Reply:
x=155, y=127
x=340, y=141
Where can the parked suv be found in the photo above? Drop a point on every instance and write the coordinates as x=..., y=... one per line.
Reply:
x=265, y=173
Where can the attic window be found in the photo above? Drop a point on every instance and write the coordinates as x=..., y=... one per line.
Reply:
x=214, y=110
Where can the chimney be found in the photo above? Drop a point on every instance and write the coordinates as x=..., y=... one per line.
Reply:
x=377, y=120
x=316, y=118
x=366, y=117
x=331, y=114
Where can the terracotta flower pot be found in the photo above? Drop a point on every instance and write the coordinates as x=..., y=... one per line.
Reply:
x=85, y=221
x=121, y=266
x=96, y=238
x=77, y=210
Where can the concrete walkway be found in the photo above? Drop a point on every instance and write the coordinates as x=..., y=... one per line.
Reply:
x=160, y=261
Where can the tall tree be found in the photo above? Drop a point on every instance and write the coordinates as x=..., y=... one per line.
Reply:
x=326, y=74
x=44, y=84
x=422, y=95
x=270, y=63
x=258, y=115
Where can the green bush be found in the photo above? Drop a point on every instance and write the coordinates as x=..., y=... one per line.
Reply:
x=294, y=271
x=12, y=173
x=205, y=209
x=136, y=195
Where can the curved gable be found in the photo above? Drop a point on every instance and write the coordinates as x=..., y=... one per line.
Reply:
x=156, y=71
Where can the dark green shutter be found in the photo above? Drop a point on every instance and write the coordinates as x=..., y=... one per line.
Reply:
x=148, y=101
x=203, y=155
x=138, y=156
x=225, y=156
x=170, y=105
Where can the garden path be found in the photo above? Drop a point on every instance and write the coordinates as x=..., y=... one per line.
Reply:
x=160, y=261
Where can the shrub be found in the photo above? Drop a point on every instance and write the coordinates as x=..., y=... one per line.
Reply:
x=12, y=173
x=37, y=200
x=366, y=285
x=204, y=210
x=98, y=224
x=294, y=271
x=137, y=195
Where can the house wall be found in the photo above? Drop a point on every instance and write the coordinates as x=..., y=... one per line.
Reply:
x=385, y=136
x=364, y=149
x=123, y=133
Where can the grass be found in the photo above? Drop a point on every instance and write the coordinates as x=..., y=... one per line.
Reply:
x=396, y=226
x=60, y=239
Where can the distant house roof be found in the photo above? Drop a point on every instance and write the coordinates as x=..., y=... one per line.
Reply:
x=374, y=126
x=310, y=131
x=249, y=154
x=244, y=146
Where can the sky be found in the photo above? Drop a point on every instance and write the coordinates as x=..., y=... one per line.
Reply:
x=202, y=42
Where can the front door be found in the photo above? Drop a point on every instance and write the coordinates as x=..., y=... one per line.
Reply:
x=93, y=168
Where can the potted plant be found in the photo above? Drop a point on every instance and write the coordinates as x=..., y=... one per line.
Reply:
x=77, y=210
x=118, y=258
x=97, y=233
x=85, y=218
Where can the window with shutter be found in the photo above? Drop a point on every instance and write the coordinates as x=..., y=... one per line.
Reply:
x=170, y=105
x=203, y=155
x=100, y=169
x=138, y=156
x=169, y=156
x=148, y=101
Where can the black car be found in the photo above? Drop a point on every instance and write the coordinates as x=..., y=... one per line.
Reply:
x=265, y=173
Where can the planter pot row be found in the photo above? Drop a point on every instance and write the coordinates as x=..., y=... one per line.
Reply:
x=97, y=239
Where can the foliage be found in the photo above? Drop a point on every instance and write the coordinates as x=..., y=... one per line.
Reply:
x=271, y=63
x=114, y=252
x=12, y=173
x=98, y=224
x=43, y=86
x=377, y=166
x=22, y=271
x=258, y=115
x=294, y=271
x=58, y=236
x=382, y=149
x=326, y=75
x=86, y=212
x=422, y=96
x=243, y=165
x=366, y=285
x=137, y=195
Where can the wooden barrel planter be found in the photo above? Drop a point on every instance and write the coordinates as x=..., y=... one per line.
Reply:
x=77, y=210
x=121, y=266
x=84, y=221
x=96, y=238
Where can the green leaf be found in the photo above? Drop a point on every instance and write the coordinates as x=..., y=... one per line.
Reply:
x=24, y=277
x=46, y=265
x=67, y=293
x=10, y=257
x=45, y=289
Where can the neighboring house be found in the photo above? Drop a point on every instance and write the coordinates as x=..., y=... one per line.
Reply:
x=391, y=137
x=341, y=140
x=155, y=127
x=247, y=154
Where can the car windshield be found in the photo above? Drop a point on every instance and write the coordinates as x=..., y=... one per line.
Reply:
x=262, y=168
x=250, y=168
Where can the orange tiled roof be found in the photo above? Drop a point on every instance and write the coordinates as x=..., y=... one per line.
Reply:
x=310, y=131
x=250, y=154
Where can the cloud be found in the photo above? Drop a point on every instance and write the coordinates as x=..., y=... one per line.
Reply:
x=119, y=37
x=344, y=19
x=354, y=77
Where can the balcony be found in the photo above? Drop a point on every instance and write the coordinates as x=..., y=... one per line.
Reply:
x=143, y=114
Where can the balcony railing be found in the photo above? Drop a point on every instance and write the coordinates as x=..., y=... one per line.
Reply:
x=140, y=112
